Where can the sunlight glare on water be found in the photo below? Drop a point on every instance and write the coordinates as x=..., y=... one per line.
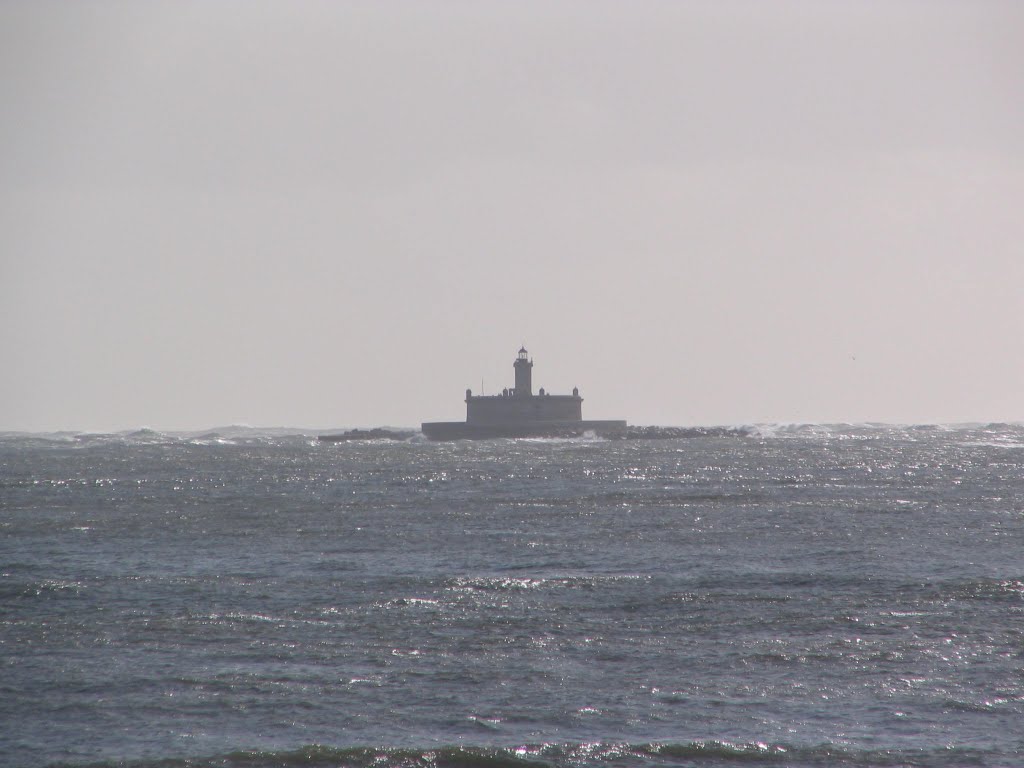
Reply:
x=817, y=596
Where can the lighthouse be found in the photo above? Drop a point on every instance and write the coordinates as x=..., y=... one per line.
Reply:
x=524, y=374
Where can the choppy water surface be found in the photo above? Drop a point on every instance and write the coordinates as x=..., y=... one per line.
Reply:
x=797, y=596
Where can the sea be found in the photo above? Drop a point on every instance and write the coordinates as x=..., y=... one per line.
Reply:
x=775, y=595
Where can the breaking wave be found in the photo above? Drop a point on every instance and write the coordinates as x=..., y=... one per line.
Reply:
x=232, y=435
x=999, y=435
x=619, y=755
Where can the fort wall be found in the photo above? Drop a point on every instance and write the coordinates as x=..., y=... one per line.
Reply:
x=489, y=410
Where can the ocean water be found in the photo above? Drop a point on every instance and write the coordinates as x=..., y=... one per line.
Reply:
x=788, y=596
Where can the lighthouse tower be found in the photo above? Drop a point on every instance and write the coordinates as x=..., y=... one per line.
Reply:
x=524, y=374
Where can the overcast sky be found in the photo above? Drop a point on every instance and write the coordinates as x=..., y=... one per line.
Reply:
x=326, y=214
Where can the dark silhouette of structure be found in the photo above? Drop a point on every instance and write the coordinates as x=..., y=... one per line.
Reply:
x=517, y=412
x=524, y=374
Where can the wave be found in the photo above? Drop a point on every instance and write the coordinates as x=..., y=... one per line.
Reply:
x=234, y=435
x=587, y=437
x=811, y=430
x=669, y=433
x=620, y=755
x=985, y=589
x=1003, y=434
x=995, y=434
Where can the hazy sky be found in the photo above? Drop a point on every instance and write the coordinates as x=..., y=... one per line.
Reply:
x=318, y=214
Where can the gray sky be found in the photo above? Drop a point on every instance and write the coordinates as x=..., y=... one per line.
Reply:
x=344, y=214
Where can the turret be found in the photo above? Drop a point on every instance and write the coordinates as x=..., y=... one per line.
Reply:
x=524, y=375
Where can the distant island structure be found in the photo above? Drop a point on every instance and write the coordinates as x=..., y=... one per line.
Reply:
x=518, y=412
